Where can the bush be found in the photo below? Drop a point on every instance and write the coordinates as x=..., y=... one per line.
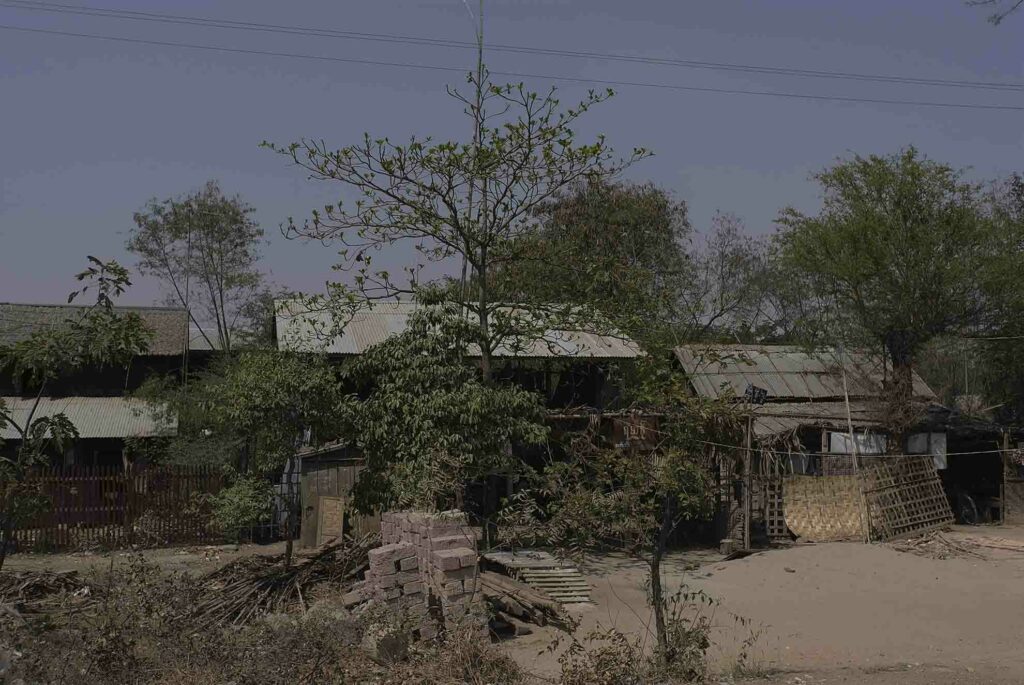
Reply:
x=245, y=503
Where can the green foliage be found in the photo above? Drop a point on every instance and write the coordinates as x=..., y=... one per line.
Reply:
x=200, y=438
x=98, y=335
x=607, y=495
x=426, y=423
x=245, y=503
x=617, y=247
x=272, y=398
x=207, y=244
x=898, y=247
x=610, y=657
x=900, y=254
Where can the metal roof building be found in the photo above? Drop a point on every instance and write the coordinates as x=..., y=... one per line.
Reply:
x=19, y=321
x=804, y=387
x=95, y=417
x=300, y=329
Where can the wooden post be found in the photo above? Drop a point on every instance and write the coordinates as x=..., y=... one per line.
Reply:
x=1003, y=456
x=747, y=457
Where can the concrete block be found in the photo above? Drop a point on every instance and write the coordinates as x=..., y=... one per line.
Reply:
x=446, y=559
x=354, y=598
x=415, y=587
x=452, y=542
x=393, y=593
x=398, y=579
x=453, y=587
x=409, y=564
x=467, y=557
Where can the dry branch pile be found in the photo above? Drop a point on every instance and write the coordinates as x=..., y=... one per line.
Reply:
x=514, y=602
x=255, y=586
x=935, y=545
x=39, y=592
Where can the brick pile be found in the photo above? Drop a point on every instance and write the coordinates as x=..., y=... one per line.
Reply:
x=426, y=569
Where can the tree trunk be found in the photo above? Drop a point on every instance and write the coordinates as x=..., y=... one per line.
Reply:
x=484, y=316
x=290, y=519
x=901, y=389
x=657, y=592
x=7, y=532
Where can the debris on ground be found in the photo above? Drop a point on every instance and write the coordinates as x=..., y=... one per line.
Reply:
x=45, y=592
x=513, y=603
x=255, y=586
x=936, y=545
x=994, y=543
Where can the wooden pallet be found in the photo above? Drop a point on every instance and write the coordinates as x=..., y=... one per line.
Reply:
x=565, y=584
x=543, y=571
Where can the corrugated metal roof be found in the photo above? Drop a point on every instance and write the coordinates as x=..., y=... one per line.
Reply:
x=96, y=417
x=19, y=321
x=786, y=372
x=307, y=331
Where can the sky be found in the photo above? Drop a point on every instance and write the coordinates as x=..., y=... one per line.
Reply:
x=91, y=129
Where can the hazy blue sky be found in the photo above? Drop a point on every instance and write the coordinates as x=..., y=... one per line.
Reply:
x=89, y=129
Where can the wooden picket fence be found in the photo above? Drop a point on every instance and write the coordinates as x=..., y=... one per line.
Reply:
x=81, y=507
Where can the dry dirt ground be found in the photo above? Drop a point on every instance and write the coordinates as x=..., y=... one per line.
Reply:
x=836, y=613
x=195, y=559
x=824, y=614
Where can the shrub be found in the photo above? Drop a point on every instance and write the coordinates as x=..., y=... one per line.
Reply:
x=243, y=504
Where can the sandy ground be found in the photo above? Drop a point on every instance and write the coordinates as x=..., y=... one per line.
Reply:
x=194, y=559
x=827, y=613
x=835, y=613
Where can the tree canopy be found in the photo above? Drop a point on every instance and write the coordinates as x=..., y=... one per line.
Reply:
x=457, y=202
x=204, y=248
x=900, y=253
x=425, y=422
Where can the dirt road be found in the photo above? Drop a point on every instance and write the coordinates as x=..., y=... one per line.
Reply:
x=837, y=613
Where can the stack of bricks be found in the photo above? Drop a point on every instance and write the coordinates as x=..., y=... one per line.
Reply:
x=427, y=568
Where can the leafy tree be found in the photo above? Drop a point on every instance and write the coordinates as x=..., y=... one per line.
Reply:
x=617, y=247
x=275, y=398
x=426, y=424
x=204, y=247
x=899, y=254
x=472, y=202
x=633, y=500
x=994, y=355
x=97, y=336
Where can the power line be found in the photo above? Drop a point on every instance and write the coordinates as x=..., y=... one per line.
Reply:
x=520, y=75
x=133, y=15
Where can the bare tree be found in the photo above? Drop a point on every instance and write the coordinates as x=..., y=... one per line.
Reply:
x=725, y=293
x=204, y=247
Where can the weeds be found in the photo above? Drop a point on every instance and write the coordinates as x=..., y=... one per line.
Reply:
x=141, y=631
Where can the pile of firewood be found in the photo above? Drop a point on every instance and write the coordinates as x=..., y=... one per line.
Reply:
x=514, y=603
x=252, y=587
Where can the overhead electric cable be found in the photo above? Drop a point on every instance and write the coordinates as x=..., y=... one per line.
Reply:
x=135, y=15
x=521, y=75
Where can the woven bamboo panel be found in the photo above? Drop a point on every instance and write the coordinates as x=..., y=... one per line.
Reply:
x=1013, y=500
x=904, y=496
x=823, y=509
